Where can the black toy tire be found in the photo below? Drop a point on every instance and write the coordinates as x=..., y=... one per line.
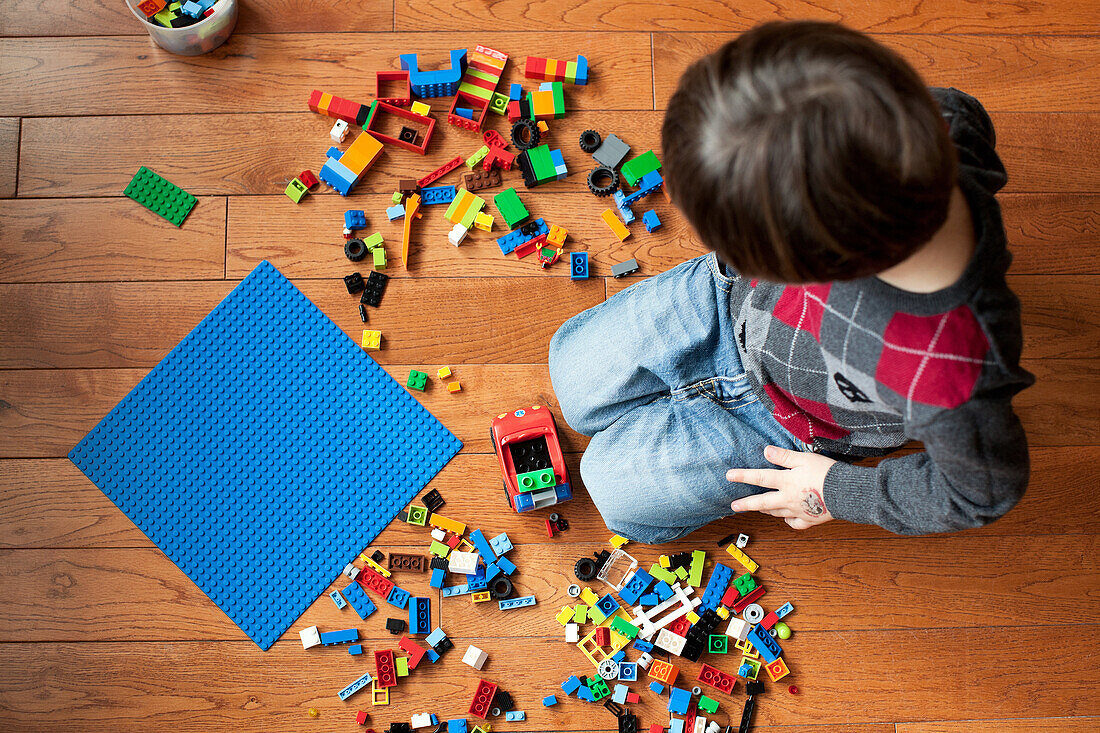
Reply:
x=590, y=140
x=500, y=588
x=533, y=134
x=585, y=569
x=355, y=249
x=606, y=189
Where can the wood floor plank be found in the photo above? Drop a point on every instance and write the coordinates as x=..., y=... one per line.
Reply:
x=132, y=687
x=937, y=16
x=442, y=321
x=1052, y=233
x=44, y=413
x=139, y=595
x=282, y=69
x=1007, y=73
x=50, y=240
x=49, y=503
x=9, y=155
x=1044, y=152
x=104, y=18
x=1030, y=725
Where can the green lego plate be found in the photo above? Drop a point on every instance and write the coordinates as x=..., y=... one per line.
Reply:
x=162, y=197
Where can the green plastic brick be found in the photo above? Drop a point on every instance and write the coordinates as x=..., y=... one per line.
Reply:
x=296, y=190
x=708, y=704
x=535, y=480
x=510, y=207
x=160, y=196
x=418, y=381
x=418, y=515
x=633, y=169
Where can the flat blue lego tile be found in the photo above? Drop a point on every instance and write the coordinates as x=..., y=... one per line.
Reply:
x=337, y=599
x=354, y=687
x=245, y=438
x=784, y=609
x=507, y=604
x=515, y=715
x=457, y=725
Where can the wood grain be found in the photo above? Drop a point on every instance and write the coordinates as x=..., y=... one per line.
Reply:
x=66, y=325
x=103, y=17
x=1007, y=73
x=1032, y=725
x=1043, y=152
x=1051, y=233
x=131, y=686
x=48, y=503
x=9, y=155
x=283, y=69
x=139, y=595
x=44, y=413
x=48, y=240
x=937, y=16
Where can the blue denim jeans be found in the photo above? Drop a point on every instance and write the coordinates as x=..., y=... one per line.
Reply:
x=654, y=376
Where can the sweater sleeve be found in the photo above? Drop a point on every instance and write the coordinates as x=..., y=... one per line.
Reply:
x=974, y=469
x=972, y=131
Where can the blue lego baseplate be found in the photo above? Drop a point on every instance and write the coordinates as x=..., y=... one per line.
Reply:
x=248, y=437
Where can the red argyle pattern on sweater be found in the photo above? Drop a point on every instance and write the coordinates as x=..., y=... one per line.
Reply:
x=802, y=307
x=935, y=360
x=804, y=419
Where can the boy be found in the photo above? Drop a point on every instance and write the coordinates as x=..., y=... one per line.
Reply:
x=855, y=299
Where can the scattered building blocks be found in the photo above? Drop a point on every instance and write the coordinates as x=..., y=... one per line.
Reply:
x=633, y=170
x=354, y=687
x=338, y=108
x=360, y=602
x=385, y=671
x=417, y=380
x=441, y=83
x=393, y=87
x=437, y=195
x=475, y=91
x=420, y=108
x=308, y=178
x=343, y=636
x=716, y=678
x=767, y=646
x=166, y=199
x=412, y=206
x=420, y=611
x=510, y=241
x=508, y=604
x=344, y=170
x=395, y=212
x=310, y=636
x=374, y=125
x=578, y=265
x=464, y=208
x=544, y=69
x=339, y=131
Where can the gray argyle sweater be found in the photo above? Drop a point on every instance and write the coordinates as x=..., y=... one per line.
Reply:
x=857, y=368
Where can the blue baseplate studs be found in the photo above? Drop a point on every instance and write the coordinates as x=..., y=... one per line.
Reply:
x=254, y=450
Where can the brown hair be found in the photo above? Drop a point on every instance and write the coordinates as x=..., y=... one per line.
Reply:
x=807, y=152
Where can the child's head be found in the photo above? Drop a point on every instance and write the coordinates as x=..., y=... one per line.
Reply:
x=807, y=152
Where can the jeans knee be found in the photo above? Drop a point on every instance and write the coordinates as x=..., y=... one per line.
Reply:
x=567, y=370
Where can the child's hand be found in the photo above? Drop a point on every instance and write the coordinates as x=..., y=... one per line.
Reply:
x=798, y=495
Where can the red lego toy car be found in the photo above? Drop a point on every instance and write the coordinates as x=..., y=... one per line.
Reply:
x=526, y=443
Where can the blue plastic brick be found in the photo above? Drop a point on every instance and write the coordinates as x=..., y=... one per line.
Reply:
x=343, y=636
x=507, y=566
x=650, y=183
x=582, y=71
x=767, y=646
x=586, y=694
x=464, y=112
x=398, y=597
x=511, y=240
x=628, y=671
x=337, y=175
x=607, y=605
x=678, y=700
x=634, y=588
x=515, y=715
x=549, y=700
x=448, y=591
x=624, y=208
x=618, y=656
x=657, y=687
x=507, y=604
x=355, y=649
x=558, y=161
x=492, y=570
x=395, y=212
x=642, y=645
x=439, y=575
x=192, y=9
x=578, y=265
x=515, y=92
x=477, y=581
x=571, y=685
x=355, y=219
x=239, y=442
x=663, y=590
x=676, y=725
x=651, y=220
x=619, y=694
x=439, y=83
x=477, y=537
x=359, y=600
x=337, y=599
x=501, y=544
x=420, y=615
x=719, y=580
x=457, y=725
x=437, y=195
x=433, y=656
x=784, y=609
x=355, y=687
x=649, y=599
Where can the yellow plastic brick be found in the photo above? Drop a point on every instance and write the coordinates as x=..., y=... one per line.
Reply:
x=565, y=615
x=444, y=372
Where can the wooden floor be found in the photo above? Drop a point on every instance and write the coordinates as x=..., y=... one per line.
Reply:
x=989, y=630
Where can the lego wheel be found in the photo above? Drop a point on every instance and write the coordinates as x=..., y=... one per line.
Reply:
x=355, y=249
x=500, y=588
x=585, y=569
x=603, y=181
x=525, y=134
x=590, y=140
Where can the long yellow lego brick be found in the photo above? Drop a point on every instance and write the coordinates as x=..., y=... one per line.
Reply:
x=441, y=522
x=742, y=558
x=617, y=227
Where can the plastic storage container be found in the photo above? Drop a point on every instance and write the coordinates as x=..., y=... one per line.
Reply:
x=206, y=35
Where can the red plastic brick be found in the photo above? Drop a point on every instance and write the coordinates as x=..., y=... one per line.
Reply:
x=439, y=172
x=730, y=596
x=385, y=671
x=374, y=582
x=633, y=697
x=308, y=178
x=716, y=678
x=483, y=699
x=603, y=636
x=739, y=606
x=415, y=651
x=680, y=626
x=768, y=621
